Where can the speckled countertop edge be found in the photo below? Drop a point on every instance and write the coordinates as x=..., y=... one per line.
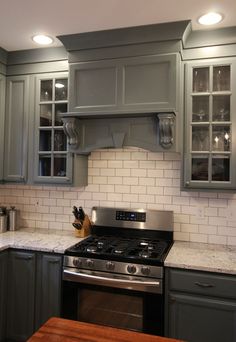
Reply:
x=56, y=242
x=202, y=257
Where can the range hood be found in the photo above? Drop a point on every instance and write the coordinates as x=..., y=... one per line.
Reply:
x=124, y=88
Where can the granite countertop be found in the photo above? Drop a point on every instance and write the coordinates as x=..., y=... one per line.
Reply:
x=33, y=240
x=202, y=257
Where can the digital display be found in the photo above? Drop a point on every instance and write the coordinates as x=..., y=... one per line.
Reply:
x=130, y=216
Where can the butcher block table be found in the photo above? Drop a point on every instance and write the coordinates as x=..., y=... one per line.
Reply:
x=59, y=329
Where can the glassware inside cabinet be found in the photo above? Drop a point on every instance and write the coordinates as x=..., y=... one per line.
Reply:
x=221, y=108
x=46, y=90
x=44, y=165
x=60, y=142
x=59, y=108
x=221, y=78
x=200, y=138
x=200, y=108
x=221, y=168
x=45, y=115
x=201, y=80
x=221, y=138
x=59, y=169
x=45, y=140
x=61, y=89
x=200, y=167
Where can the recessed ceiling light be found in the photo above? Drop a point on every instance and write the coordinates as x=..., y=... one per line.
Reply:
x=42, y=39
x=210, y=18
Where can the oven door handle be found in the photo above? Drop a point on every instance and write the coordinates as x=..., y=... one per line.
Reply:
x=129, y=284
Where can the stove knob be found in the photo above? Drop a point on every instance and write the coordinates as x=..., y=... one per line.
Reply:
x=90, y=263
x=110, y=265
x=131, y=269
x=77, y=262
x=145, y=270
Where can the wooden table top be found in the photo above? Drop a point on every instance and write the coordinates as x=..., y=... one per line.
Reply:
x=59, y=329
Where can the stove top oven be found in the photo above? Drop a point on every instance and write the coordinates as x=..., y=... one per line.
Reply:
x=115, y=276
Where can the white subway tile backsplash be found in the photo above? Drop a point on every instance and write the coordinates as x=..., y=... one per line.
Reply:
x=129, y=178
x=106, y=172
x=115, y=164
x=198, y=238
x=114, y=180
x=122, y=155
x=155, y=156
x=122, y=172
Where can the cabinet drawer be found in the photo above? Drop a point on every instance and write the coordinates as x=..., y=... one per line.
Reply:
x=203, y=283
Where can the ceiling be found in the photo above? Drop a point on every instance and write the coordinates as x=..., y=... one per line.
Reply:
x=21, y=19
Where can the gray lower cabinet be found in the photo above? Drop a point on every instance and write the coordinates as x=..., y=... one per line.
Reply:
x=48, y=288
x=34, y=292
x=16, y=128
x=3, y=294
x=141, y=84
x=200, y=306
x=21, y=295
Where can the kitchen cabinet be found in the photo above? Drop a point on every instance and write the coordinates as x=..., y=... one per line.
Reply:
x=3, y=294
x=201, y=306
x=210, y=124
x=34, y=291
x=53, y=163
x=21, y=295
x=35, y=144
x=16, y=128
x=143, y=84
x=2, y=120
x=48, y=288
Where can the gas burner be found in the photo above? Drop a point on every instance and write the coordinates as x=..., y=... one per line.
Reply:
x=91, y=249
x=118, y=251
x=145, y=254
x=100, y=244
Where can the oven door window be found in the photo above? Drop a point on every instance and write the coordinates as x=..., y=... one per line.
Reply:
x=114, y=307
x=111, y=308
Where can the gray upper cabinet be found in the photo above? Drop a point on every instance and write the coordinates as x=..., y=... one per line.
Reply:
x=2, y=120
x=143, y=84
x=16, y=128
x=210, y=124
x=53, y=164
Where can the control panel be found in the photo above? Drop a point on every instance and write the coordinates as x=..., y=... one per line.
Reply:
x=130, y=216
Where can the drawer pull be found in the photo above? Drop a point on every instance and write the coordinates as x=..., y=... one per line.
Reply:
x=205, y=285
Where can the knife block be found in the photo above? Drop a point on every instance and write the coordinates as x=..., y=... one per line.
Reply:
x=85, y=229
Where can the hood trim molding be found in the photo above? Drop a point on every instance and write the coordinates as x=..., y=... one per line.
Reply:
x=154, y=132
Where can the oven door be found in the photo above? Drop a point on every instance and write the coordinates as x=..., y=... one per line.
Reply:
x=119, y=301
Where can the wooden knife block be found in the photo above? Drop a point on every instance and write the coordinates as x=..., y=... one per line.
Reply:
x=85, y=229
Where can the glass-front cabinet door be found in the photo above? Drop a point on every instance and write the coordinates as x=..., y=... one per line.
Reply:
x=53, y=162
x=210, y=120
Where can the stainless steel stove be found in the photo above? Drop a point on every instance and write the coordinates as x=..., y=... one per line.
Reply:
x=126, y=253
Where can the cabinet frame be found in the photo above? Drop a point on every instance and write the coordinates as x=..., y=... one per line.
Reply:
x=15, y=164
x=191, y=296
x=188, y=183
x=118, y=105
x=69, y=160
x=2, y=120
